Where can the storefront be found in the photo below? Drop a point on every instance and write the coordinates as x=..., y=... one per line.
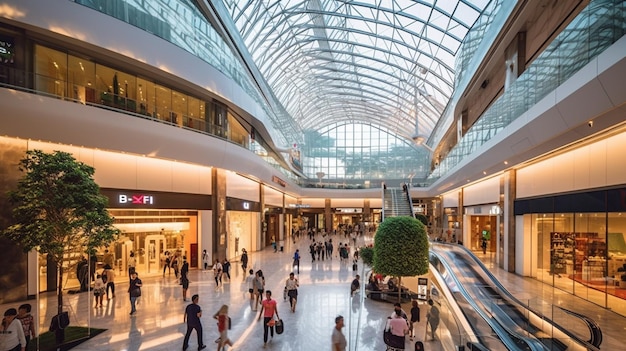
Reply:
x=151, y=223
x=481, y=228
x=576, y=242
x=242, y=220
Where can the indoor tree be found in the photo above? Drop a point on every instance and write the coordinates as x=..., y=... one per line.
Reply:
x=401, y=248
x=59, y=211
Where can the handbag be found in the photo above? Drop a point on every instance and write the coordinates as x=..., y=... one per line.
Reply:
x=279, y=326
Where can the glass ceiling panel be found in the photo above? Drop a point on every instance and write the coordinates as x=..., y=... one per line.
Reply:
x=388, y=63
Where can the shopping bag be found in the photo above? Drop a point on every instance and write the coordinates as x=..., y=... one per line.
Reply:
x=279, y=326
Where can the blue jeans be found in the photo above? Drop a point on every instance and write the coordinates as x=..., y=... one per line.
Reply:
x=133, y=301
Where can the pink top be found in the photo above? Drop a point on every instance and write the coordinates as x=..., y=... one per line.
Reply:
x=269, y=307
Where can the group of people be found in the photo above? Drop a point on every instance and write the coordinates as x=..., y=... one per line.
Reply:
x=399, y=325
x=219, y=270
x=17, y=328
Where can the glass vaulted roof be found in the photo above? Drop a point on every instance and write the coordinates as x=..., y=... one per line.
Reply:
x=385, y=62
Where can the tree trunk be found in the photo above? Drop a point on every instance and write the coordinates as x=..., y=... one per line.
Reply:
x=399, y=289
x=60, y=289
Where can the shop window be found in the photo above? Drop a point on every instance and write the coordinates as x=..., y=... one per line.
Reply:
x=50, y=71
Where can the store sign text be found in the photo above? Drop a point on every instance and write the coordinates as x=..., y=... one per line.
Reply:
x=136, y=199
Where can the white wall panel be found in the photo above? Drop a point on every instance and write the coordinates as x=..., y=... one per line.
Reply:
x=616, y=160
x=451, y=199
x=113, y=170
x=356, y=203
x=314, y=203
x=126, y=171
x=485, y=192
x=192, y=179
x=242, y=188
x=596, y=165
x=272, y=197
x=581, y=168
x=376, y=203
x=290, y=200
x=152, y=175
x=565, y=166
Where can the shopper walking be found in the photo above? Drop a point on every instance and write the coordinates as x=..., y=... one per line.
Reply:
x=223, y=321
x=217, y=272
x=244, y=260
x=131, y=264
x=291, y=285
x=296, y=260
x=193, y=312
x=134, y=290
x=168, y=263
x=399, y=328
x=250, y=279
x=11, y=332
x=259, y=285
x=99, y=290
x=205, y=260
x=27, y=320
x=415, y=318
x=109, y=274
x=433, y=319
x=226, y=268
x=268, y=310
x=184, y=277
x=338, y=339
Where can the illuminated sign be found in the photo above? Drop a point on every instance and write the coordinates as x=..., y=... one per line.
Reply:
x=279, y=181
x=136, y=199
x=349, y=210
x=300, y=205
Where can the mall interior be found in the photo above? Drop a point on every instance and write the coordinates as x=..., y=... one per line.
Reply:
x=229, y=125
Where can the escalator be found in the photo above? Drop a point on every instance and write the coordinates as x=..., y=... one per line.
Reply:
x=517, y=326
x=396, y=202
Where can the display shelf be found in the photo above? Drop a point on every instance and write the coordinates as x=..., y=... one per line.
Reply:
x=558, y=264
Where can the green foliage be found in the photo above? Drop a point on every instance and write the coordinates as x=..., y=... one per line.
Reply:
x=367, y=255
x=422, y=218
x=58, y=209
x=401, y=247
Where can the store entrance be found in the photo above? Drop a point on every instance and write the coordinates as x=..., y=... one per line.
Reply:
x=483, y=234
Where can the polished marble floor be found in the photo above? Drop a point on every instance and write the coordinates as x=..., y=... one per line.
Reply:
x=324, y=293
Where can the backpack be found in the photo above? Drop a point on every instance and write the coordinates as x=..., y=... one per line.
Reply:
x=104, y=277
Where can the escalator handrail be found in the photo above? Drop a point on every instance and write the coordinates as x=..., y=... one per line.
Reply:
x=596, y=334
x=504, y=333
x=513, y=299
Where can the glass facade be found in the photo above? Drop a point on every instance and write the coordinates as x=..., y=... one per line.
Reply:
x=581, y=253
x=74, y=78
x=357, y=152
x=597, y=27
x=181, y=23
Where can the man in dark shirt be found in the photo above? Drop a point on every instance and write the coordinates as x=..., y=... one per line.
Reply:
x=193, y=312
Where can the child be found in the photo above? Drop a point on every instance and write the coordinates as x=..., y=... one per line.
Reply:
x=99, y=290
x=24, y=316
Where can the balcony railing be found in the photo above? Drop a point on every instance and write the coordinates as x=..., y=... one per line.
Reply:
x=596, y=28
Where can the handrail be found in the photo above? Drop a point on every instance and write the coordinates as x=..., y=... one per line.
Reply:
x=505, y=334
x=596, y=332
x=505, y=293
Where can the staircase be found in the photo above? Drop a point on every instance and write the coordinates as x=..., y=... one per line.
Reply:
x=396, y=203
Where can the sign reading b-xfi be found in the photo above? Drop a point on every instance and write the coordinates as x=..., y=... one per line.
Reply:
x=135, y=199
